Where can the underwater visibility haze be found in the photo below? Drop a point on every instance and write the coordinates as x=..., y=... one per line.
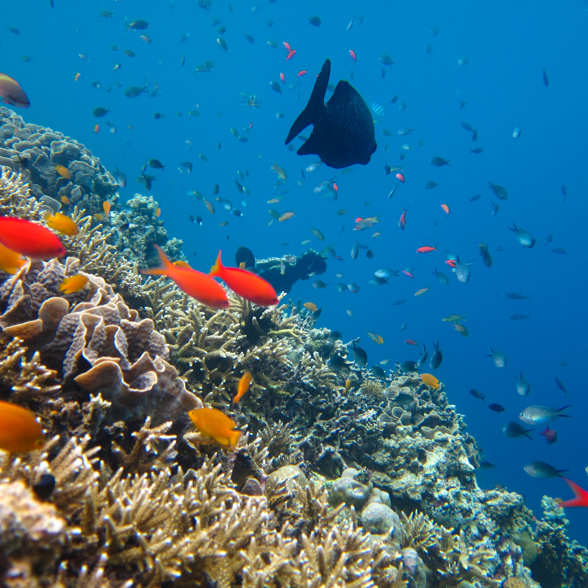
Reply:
x=426, y=221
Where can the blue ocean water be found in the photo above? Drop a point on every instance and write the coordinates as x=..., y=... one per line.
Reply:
x=507, y=46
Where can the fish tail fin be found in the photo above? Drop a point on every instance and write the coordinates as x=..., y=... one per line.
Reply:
x=218, y=265
x=581, y=498
x=161, y=270
x=234, y=437
x=563, y=408
x=316, y=103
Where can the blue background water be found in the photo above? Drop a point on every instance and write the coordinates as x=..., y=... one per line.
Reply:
x=508, y=45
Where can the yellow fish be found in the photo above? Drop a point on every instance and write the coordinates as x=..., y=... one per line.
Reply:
x=244, y=384
x=62, y=223
x=63, y=172
x=216, y=425
x=10, y=261
x=430, y=380
x=73, y=284
x=106, y=207
x=311, y=306
x=183, y=264
x=65, y=200
x=20, y=432
x=376, y=338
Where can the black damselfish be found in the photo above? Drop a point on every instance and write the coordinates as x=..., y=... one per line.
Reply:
x=343, y=131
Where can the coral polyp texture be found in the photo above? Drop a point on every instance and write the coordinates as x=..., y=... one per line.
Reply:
x=340, y=478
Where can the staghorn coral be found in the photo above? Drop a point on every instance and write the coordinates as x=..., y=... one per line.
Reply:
x=158, y=526
x=21, y=378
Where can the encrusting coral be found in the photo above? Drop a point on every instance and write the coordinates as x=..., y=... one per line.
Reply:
x=113, y=369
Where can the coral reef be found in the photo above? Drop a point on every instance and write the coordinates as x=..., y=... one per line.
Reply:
x=369, y=484
x=36, y=151
x=283, y=272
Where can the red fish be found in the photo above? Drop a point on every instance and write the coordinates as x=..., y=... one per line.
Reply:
x=194, y=283
x=30, y=239
x=301, y=73
x=291, y=54
x=408, y=273
x=411, y=342
x=581, y=496
x=400, y=177
x=550, y=435
x=353, y=56
x=426, y=249
x=445, y=208
x=451, y=262
x=283, y=78
x=246, y=284
x=288, y=48
x=402, y=221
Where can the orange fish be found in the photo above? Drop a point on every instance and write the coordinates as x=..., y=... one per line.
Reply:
x=65, y=200
x=430, y=380
x=97, y=129
x=426, y=249
x=194, y=283
x=73, y=284
x=451, y=262
x=244, y=384
x=30, y=239
x=246, y=284
x=400, y=177
x=63, y=172
x=402, y=221
x=302, y=72
x=445, y=208
x=106, y=207
x=288, y=48
x=10, y=261
x=20, y=432
x=283, y=78
x=62, y=223
x=353, y=56
x=310, y=306
x=157, y=212
x=216, y=425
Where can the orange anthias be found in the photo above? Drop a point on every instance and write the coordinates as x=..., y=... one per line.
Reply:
x=244, y=384
x=20, y=432
x=246, y=284
x=426, y=249
x=581, y=496
x=194, y=283
x=30, y=239
x=216, y=425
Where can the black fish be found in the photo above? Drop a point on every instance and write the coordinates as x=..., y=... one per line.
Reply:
x=246, y=256
x=437, y=357
x=343, y=132
x=496, y=407
x=359, y=355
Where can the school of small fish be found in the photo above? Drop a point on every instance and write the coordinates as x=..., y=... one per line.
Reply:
x=344, y=132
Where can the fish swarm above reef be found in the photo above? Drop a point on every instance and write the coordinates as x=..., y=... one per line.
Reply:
x=368, y=486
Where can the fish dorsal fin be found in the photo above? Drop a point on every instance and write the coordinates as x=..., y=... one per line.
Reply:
x=315, y=105
x=344, y=92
